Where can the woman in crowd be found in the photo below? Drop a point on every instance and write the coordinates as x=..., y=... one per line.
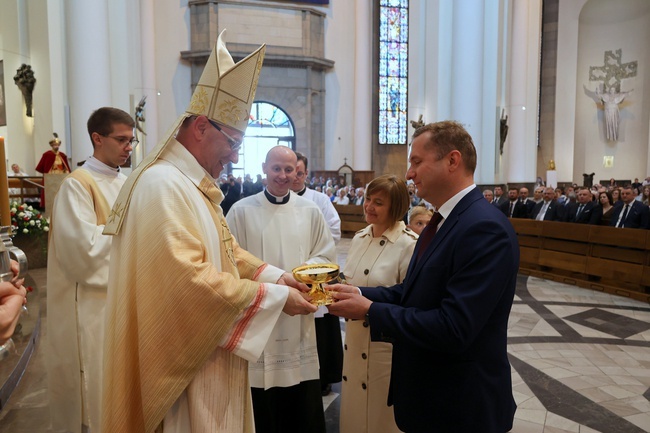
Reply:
x=602, y=213
x=342, y=197
x=415, y=200
x=330, y=193
x=419, y=217
x=645, y=195
x=616, y=195
x=379, y=255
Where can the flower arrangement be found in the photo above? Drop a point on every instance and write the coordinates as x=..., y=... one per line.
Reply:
x=27, y=220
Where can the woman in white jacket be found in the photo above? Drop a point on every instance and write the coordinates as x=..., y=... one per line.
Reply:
x=379, y=255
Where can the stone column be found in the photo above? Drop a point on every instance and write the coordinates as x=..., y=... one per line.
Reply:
x=362, y=148
x=88, y=69
x=467, y=66
x=521, y=144
x=149, y=83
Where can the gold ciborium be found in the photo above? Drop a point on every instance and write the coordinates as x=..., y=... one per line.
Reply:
x=316, y=275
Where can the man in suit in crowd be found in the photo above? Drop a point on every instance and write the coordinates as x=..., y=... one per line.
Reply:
x=632, y=214
x=232, y=193
x=538, y=194
x=560, y=196
x=581, y=211
x=513, y=208
x=489, y=195
x=523, y=198
x=448, y=319
x=548, y=209
x=499, y=197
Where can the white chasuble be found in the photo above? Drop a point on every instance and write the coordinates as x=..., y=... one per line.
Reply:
x=183, y=313
x=286, y=236
x=77, y=276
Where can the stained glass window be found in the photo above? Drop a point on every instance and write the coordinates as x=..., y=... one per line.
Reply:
x=393, y=71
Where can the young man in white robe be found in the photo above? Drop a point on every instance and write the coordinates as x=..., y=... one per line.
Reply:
x=77, y=273
x=187, y=307
x=287, y=231
x=328, y=328
x=322, y=200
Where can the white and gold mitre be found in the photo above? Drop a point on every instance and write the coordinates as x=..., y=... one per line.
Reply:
x=226, y=90
x=225, y=94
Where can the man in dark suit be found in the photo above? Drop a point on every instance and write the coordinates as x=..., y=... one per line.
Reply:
x=499, y=197
x=448, y=319
x=548, y=209
x=632, y=214
x=580, y=211
x=528, y=202
x=513, y=207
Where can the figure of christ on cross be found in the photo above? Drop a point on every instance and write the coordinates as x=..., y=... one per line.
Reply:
x=611, y=74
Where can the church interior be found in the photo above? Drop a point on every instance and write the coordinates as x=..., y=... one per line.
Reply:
x=550, y=90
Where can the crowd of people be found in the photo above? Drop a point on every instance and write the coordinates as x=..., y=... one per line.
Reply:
x=234, y=189
x=608, y=205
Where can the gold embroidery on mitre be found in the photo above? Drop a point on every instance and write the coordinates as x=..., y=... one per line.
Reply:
x=256, y=76
x=199, y=101
x=230, y=112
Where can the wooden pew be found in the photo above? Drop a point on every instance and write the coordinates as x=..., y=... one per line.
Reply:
x=606, y=259
x=25, y=187
x=352, y=219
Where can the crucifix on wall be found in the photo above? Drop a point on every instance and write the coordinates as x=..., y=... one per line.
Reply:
x=611, y=74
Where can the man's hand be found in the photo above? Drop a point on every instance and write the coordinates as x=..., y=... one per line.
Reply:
x=287, y=279
x=11, y=302
x=9, y=289
x=15, y=268
x=343, y=288
x=297, y=304
x=349, y=304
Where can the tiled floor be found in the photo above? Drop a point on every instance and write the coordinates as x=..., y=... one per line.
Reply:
x=580, y=363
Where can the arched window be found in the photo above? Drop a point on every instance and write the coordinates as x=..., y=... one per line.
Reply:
x=268, y=126
x=393, y=71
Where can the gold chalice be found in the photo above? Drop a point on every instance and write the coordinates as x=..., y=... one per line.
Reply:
x=316, y=275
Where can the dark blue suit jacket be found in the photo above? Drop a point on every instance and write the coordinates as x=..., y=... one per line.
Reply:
x=448, y=323
x=554, y=212
x=638, y=217
x=585, y=215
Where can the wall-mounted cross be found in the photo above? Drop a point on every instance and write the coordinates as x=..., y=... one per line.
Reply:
x=613, y=71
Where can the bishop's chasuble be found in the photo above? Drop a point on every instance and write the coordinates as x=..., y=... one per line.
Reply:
x=77, y=277
x=285, y=235
x=183, y=312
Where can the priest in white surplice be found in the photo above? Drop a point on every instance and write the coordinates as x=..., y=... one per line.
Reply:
x=187, y=307
x=287, y=231
x=77, y=273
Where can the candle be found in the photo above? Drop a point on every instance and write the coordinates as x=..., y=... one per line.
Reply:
x=5, y=215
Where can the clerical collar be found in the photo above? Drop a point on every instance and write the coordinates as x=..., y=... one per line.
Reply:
x=277, y=200
x=95, y=164
x=302, y=191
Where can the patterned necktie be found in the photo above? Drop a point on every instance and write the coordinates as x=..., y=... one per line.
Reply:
x=427, y=234
x=580, y=208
